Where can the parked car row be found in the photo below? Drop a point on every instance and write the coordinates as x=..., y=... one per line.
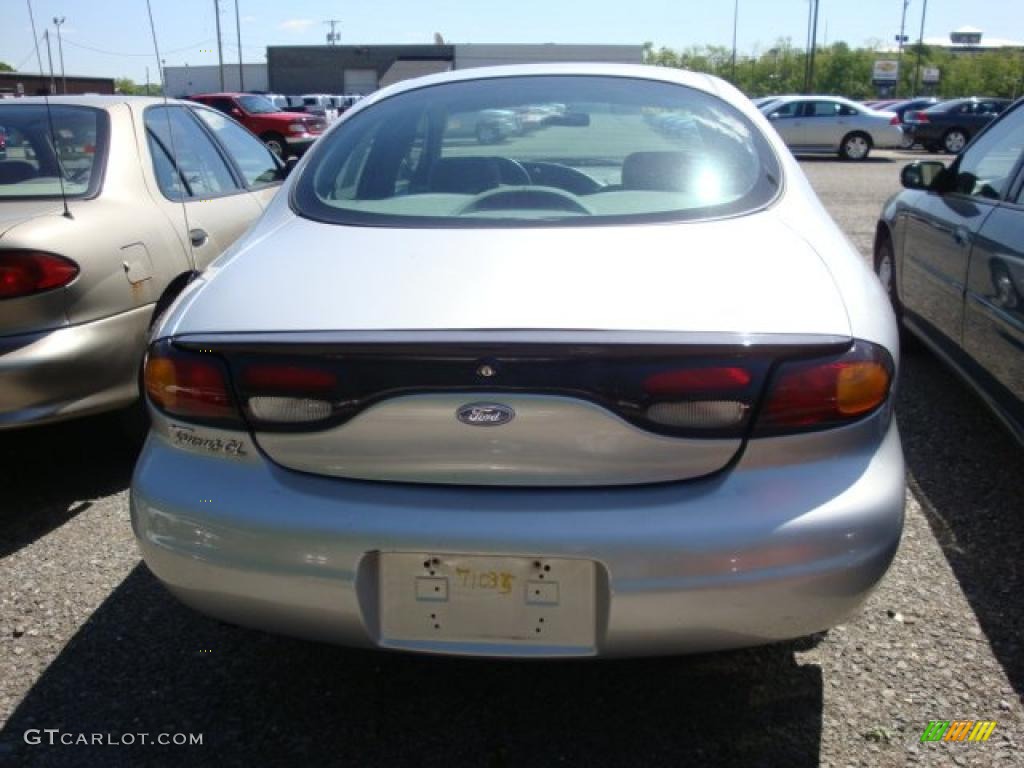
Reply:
x=284, y=132
x=328, y=106
x=926, y=121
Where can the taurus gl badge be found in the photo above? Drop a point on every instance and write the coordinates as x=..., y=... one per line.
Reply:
x=485, y=414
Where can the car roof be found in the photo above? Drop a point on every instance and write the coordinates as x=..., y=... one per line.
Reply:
x=97, y=101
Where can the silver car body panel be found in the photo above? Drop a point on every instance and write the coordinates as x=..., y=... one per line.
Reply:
x=550, y=440
x=790, y=541
x=397, y=279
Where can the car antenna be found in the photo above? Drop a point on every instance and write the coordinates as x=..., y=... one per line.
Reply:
x=182, y=185
x=49, y=114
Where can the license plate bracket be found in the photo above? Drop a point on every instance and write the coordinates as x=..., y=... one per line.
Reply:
x=436, y=599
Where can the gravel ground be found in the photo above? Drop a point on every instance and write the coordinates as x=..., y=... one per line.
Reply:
x=90, y=643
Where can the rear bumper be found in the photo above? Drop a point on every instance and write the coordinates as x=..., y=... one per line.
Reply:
x=890, y=137
x=764, y=552
x=72, y=371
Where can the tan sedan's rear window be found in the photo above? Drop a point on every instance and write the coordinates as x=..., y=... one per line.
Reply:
x=46, y=155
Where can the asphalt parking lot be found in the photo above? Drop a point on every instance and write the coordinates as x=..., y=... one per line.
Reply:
x=90, y=643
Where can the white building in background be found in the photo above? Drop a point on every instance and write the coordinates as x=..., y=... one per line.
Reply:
x=963, y=40
x=187, y=80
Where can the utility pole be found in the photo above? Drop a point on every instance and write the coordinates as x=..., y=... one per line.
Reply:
x=49, y=55
x=901, y=40
x=220, y=46
x=807, y=48
x=147, y=81
x=735, y=24
x=814, y=45
x=238, y=30
x=332, y=36
x=920, y=51
x=57, y=21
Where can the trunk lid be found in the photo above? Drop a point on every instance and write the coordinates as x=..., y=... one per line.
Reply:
x=534, y=357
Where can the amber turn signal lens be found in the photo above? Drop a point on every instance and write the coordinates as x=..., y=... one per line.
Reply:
x=861, y=387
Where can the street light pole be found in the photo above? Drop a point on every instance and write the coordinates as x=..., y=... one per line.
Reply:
x=920, y=51
x=220, y=46
x=238, y=31
x=57, y=21
x=814, y=45
x=735, y=25
x=901, y=40
x=49, y=56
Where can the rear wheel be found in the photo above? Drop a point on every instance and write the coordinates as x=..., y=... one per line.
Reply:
x=954, y=141
x=855, y=146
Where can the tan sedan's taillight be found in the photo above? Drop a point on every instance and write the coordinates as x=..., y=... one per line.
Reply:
x=23, y=273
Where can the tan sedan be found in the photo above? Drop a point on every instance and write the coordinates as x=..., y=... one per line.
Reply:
x=108, y=206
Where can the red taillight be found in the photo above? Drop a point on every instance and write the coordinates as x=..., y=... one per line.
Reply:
x=23, y=273
x=190, y=385
x=696, y=381
x=287, y=379
x=814, y=394
x=920, y=117
x=895, y=120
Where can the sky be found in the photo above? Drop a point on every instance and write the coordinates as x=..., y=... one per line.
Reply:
x=111, y=38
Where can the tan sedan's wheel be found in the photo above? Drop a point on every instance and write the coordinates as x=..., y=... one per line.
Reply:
x=856, y=146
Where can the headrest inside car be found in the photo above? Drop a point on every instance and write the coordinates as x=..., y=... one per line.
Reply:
x=662, y=171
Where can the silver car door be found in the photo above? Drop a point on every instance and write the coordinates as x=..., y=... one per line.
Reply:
x=788, y=122
x=821, y=125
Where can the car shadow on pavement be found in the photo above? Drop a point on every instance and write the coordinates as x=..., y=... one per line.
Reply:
x=143, y=663
x=967, y=472
x=50, y=474
x=870, y=159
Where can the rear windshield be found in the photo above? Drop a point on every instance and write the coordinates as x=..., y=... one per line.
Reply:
x=572, y=150
x=34, y=157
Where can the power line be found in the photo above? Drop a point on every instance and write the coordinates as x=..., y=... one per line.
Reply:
x=193, y=46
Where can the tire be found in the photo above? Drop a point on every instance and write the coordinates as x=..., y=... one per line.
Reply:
x=954, y=140
x=907, y=142
x=885, y=268
x=275, y=143
x=855, y=146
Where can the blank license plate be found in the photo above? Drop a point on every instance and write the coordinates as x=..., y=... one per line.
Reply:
x=444, y=598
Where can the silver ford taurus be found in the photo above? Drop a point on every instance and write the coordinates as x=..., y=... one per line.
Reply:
x=613, y=386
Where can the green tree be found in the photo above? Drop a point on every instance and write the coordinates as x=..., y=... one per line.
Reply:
x=5, y=67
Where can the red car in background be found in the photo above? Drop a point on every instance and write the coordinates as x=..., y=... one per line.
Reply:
x=284, y=133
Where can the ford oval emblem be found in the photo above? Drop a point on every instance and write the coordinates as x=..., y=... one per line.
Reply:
x=485, y=414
